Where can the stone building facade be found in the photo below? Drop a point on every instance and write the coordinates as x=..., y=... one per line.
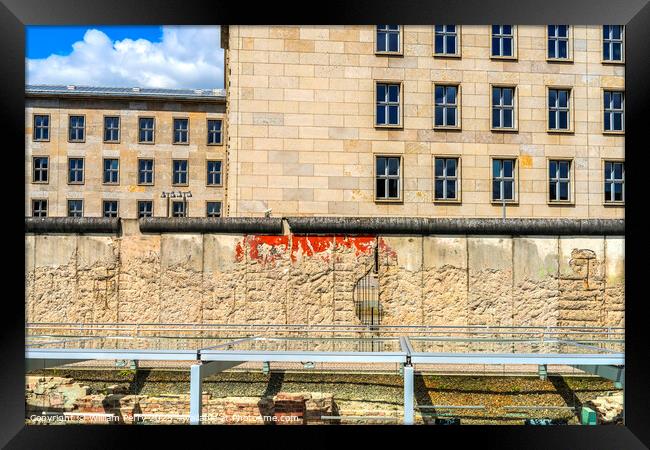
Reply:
x=304, y=133
x=75, y=151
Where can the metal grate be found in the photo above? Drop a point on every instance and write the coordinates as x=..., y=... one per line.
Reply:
x=366, y=297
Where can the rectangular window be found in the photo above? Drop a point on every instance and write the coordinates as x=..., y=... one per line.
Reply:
x=614, y=119
x=614, y=181
x=446, y=40
x=181, y=131
x=40, y=168
x=558, y=42
x=109, y=208
x=446, y=179
x=111, y=129
x=75, y=170
x=213, y=209
x=39, y=208
x=145, y=171
x=503, y=107
x=559, y=180
x=179, y=175
x=41, y=127
x=179, y=209
x=558, y=109
x=503, y=41
x=76, y=128
x=75, y=208
x=145, y=208
x=214, y=173
x=214, y=131
x=111, y=171
x=388, y=104
x=388, y=39
x=503, y=180
x=388, y=178
x=446, y=106
x=146, y=127
x=613, y=43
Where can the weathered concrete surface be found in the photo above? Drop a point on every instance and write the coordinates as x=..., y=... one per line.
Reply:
x=280, y=279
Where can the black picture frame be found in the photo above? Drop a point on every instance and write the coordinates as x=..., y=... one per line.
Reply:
x=635, y=14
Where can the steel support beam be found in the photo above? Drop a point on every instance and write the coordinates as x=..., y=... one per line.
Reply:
x=39, y=364
x=408, y=395
x=613, y=373
x=197, y=373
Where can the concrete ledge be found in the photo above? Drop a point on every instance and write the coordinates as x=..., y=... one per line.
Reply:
x=72, y=225
x=211, y=225
x=425, y=226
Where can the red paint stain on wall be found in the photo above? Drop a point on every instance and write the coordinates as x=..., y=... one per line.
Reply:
x=268, y=248
x=384, y=248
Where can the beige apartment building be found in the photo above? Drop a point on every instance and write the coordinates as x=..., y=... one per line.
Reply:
x=426, y=120
x=386, y=120
x=124, y=152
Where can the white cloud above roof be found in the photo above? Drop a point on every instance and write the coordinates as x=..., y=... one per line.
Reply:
x=187, y=57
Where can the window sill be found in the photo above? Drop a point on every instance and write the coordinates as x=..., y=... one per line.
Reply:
x=76, y=142
x=560, y=131
x=507, y=202
x=145, y=184
x=505, y=130
x=560, y=60
x=214, y=185
x=446, y=55
x=388, y=200
x=111, y=184
x=560, y=203
x=40, y=140
x=76, y=183
x=146, y=143
x=614, y=133
x=446, y=128
x=390, y=127
x=504, y=58
x=613, y=204
x=111, y=142
x=442, y=201
x=612, y=62
x=216, y=145
x=389, y=53
x=180, y=143
x=40, y=182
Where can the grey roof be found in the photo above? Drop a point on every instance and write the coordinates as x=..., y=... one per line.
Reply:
x=98, y=91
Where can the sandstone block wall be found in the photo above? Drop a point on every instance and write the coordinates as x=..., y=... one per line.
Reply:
x=301, y=107
x=292, y=279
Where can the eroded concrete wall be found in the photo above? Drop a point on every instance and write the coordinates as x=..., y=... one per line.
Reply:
x=423, y=280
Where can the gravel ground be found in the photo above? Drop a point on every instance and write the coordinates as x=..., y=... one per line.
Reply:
x=378, y=392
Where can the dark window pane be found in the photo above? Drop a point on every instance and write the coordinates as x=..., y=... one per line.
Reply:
x=392, y=188
x=552, y=97
x=496, y=190
x=496, y=96
x=618, y=171
x=495, y=29
x=393, y=166
x=439, y=28
x=618, y=192
x=381, y=42
x=616, y=31
x=507, y=29
x=451, y=44
x=508, y=190
x=616, y=51
x=563, y=98
x=552, y=190
x=552, y=168
x=440, y=92
x=608, y=191
x=507, y=168
x=451, y=167
x=381, y=115
x=381, y=166
x=607, y=121
x=439, y=167
x=439, y=115
x=496, y=118
x=551, y=120
x=393, y=93
x=564, y=120
x=507, y=96
x=507, y=118
x=451, y=94
x=393, y=43
x=608, y=170
x=564, y=191
x=496, y=168
x=495, y=47
x=393, y=115
x=551, y=49
x=439, y=41
x=451, y=116
x=617, y=98
x=618, y=122
x=451, y=189
x=562, y=49
x=564, y=169
x=562, y=30
x=507, y=47
x=607, y=98
x=606, y=56
x=381, y=92
x=439, y=189
x=381, y=189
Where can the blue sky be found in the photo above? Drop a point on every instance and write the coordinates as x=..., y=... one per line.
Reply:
x=125, y=56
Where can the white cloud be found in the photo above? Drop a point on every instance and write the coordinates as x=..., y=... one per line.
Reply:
x=187, y=57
